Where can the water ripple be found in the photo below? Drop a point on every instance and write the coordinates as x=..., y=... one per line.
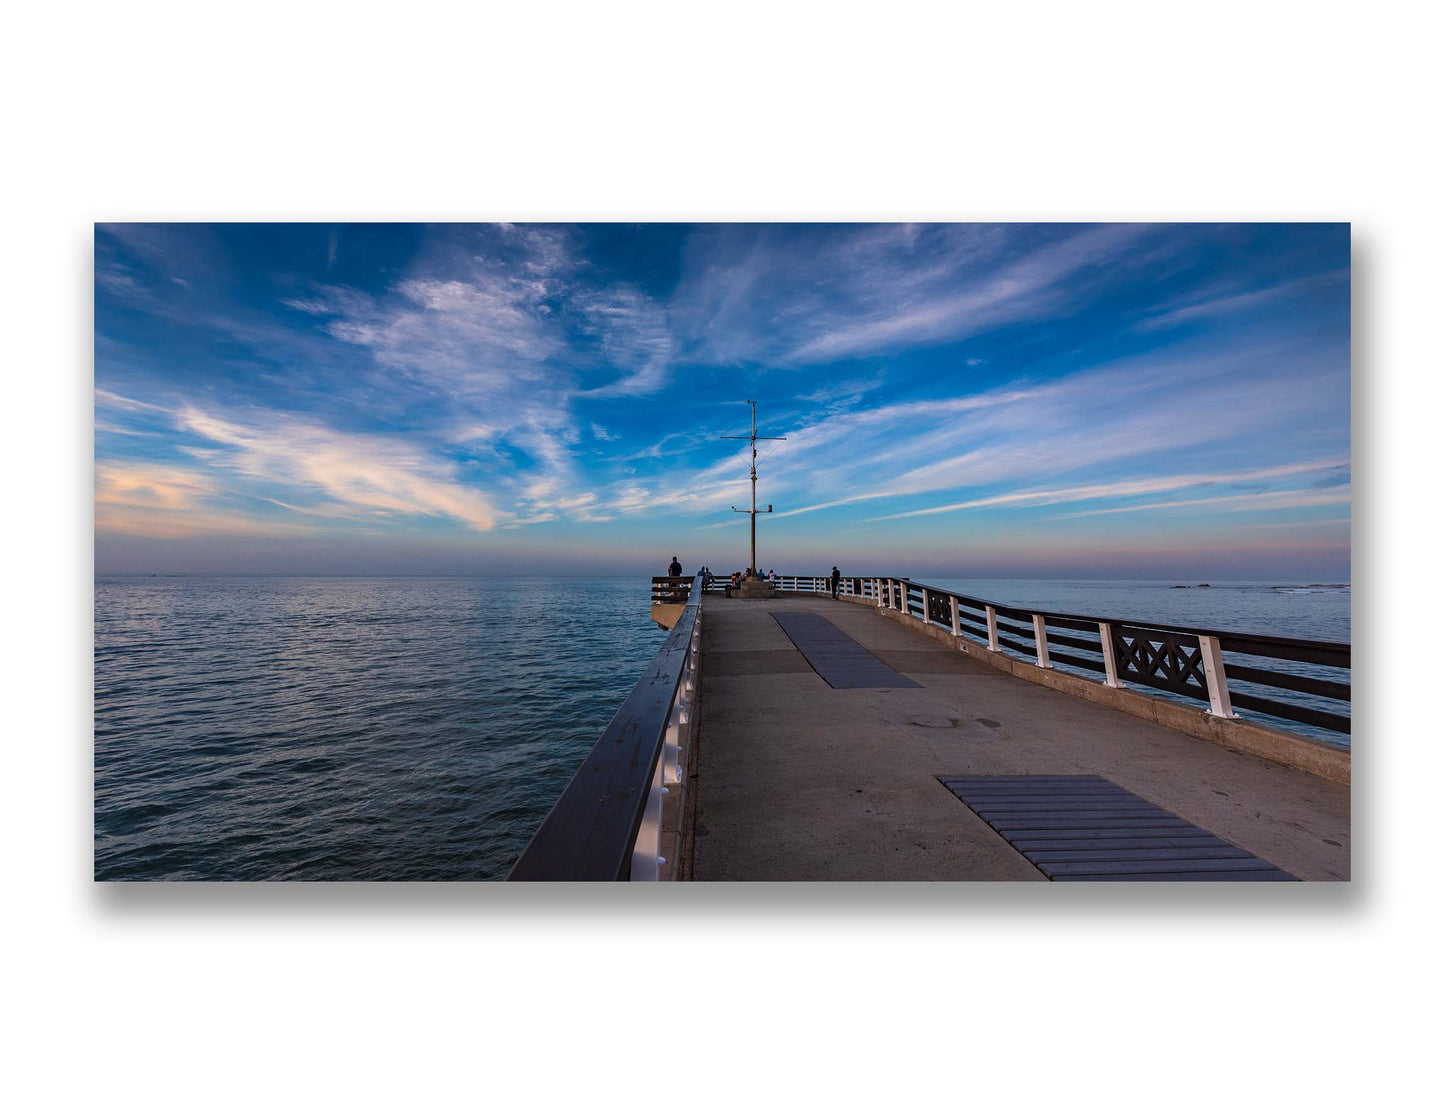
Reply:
x=356, y=729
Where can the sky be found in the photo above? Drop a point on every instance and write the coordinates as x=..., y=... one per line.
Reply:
x=1146, y=401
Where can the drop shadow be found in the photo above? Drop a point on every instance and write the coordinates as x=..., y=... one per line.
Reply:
x=1034, y=905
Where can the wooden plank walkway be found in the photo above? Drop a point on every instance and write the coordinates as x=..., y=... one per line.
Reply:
x=794, y=779
x=1080, y=827
x=840, y=661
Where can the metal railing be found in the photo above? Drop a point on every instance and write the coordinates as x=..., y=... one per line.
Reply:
x=607, y=825
x=796, y=584
x=1283, y=678
x=1197, y=663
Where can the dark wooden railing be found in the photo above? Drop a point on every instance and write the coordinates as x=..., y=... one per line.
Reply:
x=671, y=588
x=606, y=826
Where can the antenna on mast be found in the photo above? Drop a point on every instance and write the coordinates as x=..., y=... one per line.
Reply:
x=753, y=472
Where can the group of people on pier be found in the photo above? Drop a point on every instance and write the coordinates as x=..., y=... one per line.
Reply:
x=674, y=570
x=738, y=577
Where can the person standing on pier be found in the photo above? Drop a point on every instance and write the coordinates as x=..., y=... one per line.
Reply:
x=833, y=580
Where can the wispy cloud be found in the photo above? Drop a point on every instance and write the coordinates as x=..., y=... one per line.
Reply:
x=1025, y=288
x=1132, y=488
x=1197, y=309
x=169, y=501
x=1289, y=499
x=356, y=476
x=632, y=334
x=531, y=380
x=864, y=290
x=1015, y=435
x=152, y=486
x=481, y=332
x=377, y=477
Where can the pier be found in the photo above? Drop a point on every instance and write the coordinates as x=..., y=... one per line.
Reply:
x=900, y=733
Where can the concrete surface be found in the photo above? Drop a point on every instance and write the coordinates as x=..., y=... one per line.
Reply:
x=798, y=781
x=1314, y=756
x=755, y=587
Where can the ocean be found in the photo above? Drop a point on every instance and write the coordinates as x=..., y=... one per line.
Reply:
x=419, y=729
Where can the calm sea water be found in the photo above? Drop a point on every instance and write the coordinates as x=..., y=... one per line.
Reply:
x=251, y=728
x=348, y=728
x=1305, y=610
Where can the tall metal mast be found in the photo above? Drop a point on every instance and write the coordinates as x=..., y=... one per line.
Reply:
x=754, y=511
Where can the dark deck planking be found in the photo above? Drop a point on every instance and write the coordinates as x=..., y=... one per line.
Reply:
x=1085, y=828
x=840, y=661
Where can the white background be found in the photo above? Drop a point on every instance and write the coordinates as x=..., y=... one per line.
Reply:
x=739, y=111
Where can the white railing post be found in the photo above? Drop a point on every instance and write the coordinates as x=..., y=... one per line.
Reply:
x=1214, y=677
x=672, y=741
x=681, y=712
x=1111, y=663
x=878, y=592
x=953, y=614
x=926, y=619
x=1041, y=642
x=992, y=628
x=647, y=851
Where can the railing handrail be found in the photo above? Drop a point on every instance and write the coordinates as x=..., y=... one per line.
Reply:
x=1187, y=661
x=590, y=832
x=1015, y=612
x=1184, y=630
x=1181, y=659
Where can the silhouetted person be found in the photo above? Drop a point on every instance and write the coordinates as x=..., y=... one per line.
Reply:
x=833, y=580
x=674, y=587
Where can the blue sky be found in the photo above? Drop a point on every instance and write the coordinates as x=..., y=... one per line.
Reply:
x=1080, y=401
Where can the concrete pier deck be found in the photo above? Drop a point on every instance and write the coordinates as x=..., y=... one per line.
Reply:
x=796, y=780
